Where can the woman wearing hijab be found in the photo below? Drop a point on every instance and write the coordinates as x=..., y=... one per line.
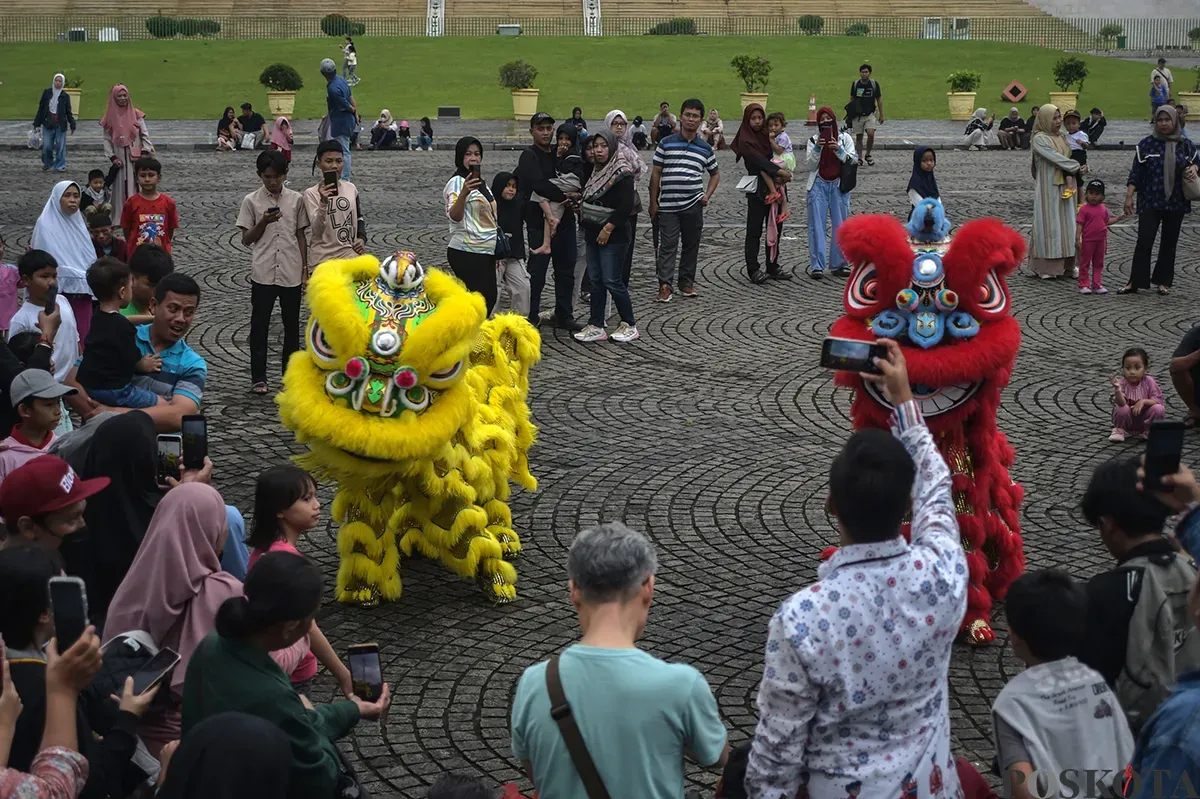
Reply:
x=580, y=123
x=511, y=271
x=471, y=210
x=975, y=136
x=1052, y=239
x=54, y=117
x=62, y=231
x=1012, y=130
x=229, y=130
x=608, y=201
x=618, y=123
x=922, y=184
x=1159, y=164
x=125, y=139
x=425, y=135
x=828, y=150
x=713, y=130
x=213, y=762
x=383, y=132
x=752, y=144
x=282, y=138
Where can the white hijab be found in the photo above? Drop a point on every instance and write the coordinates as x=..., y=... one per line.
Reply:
x=625, y=146
x=66, y=237
x=55, y=92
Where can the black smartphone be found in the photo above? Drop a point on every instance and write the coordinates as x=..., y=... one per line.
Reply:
x=170, y=454
x=331, y=179
x=1164, y=446
x=366, y=673
x=68, y=604
x=274, y=209
x=851, y=355
x=155, y=670
x=51, y=299
x=475, y=172
x=195, y=441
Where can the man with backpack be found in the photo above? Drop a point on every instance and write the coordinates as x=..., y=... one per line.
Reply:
x=1140, y=634
x=865, y=112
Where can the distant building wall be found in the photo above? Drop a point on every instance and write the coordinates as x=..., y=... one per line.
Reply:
x=1141, y=9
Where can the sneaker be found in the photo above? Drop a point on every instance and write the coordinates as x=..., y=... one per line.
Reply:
x=664, y=294
x=1075, y=272
x=1117, y=434
x=1085, y=290
x=591, y=333
x=688, y=293
x=625, y=333
x=1099, y=290
x=585, y=297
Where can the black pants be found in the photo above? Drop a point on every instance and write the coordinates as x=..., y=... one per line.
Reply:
x=262, y=305
x=1080, y=157
x=627, y=268
x=563, y=251
x=756, y=220
x=1164, y=267
x=477, y=271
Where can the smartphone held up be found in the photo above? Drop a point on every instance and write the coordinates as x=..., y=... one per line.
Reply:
x=68, y=605
x=1164, y=449
x=366, y=672
x=851, y=355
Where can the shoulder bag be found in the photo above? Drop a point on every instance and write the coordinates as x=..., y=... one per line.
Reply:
x=748, y=184
x=1191, y=185
x=594, y=215
x=560, y=711
x=849, y=178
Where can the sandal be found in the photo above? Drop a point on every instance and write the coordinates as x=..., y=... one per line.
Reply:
x=260, y=388
x=1127, y=290
x=785, y=216
x=1163, y=291
x=870, y=161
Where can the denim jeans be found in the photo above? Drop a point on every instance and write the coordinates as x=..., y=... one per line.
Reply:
x=563, y=249
x=424, y=141
x=606, y=267
x=345, y=142
x=825, y=200
x=54, y=148
x=129, y=396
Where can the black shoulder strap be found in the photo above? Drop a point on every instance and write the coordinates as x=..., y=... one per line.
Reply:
x=560, y=711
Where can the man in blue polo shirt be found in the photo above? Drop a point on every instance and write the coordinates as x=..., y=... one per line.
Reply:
x=181, y=380
x=678, y=195
x=342, y=112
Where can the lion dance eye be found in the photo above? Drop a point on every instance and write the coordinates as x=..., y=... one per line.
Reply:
x=861, y=291
x=446, y=376
x=992, y=299
x=319, y=346
x=415, y=398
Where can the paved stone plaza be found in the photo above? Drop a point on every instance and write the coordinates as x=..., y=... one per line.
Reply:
x=713, y=434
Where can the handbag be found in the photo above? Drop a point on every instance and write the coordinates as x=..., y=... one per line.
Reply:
x=1191, y=185
x=594, y=215
x=503, y=247
x=748, y=184
x=249, y=140
x=849, y=178
x=560, y=711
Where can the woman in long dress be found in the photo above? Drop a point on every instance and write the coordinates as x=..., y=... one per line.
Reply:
x=125, y=140
x=1052, y=241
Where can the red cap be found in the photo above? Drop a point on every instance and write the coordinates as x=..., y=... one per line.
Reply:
x=43, y=485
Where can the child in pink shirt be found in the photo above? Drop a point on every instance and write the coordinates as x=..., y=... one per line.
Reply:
x=285, y=507
x=1137, y=399
x=1091, y=238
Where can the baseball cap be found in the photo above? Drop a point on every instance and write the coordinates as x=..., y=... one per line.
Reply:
x=1072, y=113
x=540, y=118
x=43, y=485
x=1095, y=184
x=37, y=383
x=328, y=67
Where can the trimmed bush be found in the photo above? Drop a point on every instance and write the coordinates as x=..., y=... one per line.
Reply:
x=811, y=24
x=162, y=27
x=1194, y=36
x=281, y=78
x=1070, y=72
x=189, y=27
x=339, y=25
x=964, y=80
x=209, y=27
x=857, y=29
x=753, y=70
x=517, y=75
x=680, y=26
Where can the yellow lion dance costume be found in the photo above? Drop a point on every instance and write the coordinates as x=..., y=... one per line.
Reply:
x=416, y=406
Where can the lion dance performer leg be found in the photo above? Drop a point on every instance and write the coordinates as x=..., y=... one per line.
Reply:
x=415, y=405
x=947, y=304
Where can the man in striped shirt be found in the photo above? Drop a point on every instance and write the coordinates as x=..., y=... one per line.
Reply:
x=683, y=181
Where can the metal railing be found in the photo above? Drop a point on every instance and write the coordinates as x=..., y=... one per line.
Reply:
x=1139, y=35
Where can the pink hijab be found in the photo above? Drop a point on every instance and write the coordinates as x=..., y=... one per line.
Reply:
x=279, y=137
x=175, y=584
x=122, y=124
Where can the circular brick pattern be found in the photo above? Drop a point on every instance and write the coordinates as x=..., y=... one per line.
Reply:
x=713, y=434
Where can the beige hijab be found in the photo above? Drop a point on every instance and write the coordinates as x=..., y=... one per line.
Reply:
x=1044, y=123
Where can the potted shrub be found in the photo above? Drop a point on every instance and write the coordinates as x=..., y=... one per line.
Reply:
x=963, y=84
x=1108, y=34
x=518, y=78
x=282, y=82
x=754, y=71
x=1068, y=72
x=71, y=89
x=1191, y=99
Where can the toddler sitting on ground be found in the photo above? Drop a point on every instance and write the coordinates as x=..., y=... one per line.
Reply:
x=110, y=355
x=1137, y=399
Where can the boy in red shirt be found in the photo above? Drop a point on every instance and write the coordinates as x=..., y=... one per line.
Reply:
x=149, y=217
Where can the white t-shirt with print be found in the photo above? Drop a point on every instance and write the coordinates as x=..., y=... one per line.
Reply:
x=66, y=341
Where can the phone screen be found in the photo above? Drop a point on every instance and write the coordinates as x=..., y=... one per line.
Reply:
x=52, y=299
x=195, y=441
x=1164, y=446
x=170, y=453
x=154, y=670
x=366, y=672
x=848, y=355
x=68, y=602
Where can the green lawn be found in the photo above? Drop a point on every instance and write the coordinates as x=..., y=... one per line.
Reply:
x=189, y=79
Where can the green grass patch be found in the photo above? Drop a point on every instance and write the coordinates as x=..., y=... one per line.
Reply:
x=185, y=79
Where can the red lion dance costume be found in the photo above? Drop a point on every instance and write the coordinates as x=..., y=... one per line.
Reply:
x=947, y=304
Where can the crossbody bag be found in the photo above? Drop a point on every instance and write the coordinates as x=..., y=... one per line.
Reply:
x=560, y=711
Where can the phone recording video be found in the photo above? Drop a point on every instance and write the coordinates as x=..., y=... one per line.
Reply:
x=331, y=179
x=366, y=673
x=154, y=670
x=1164, y=447
x=849, y=355
x=475, y=171
x=170, y=456
x=827, y=131
x=68, y=604
x=51, y=299
x=195, y=441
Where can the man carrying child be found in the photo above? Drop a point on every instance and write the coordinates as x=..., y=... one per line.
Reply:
x=110, y=355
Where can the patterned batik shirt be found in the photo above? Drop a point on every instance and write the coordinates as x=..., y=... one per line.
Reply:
x=853, y=699
x=57, y=773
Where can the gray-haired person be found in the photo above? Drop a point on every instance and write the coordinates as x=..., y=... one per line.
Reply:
x=638, y=715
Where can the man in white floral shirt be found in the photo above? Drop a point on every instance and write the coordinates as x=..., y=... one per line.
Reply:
x=853, y=699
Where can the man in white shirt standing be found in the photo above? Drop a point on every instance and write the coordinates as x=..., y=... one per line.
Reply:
x=854, y=694
x=1161, y=71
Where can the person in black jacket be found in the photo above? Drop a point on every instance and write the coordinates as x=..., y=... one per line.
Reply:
x=535, y=169
x=54, y=117
x=608, y=201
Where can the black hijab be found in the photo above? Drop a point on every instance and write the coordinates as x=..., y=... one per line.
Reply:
x=460, y=154
x=924, y=183
x=230, y=756
x=509, y=213
x=572, y=162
